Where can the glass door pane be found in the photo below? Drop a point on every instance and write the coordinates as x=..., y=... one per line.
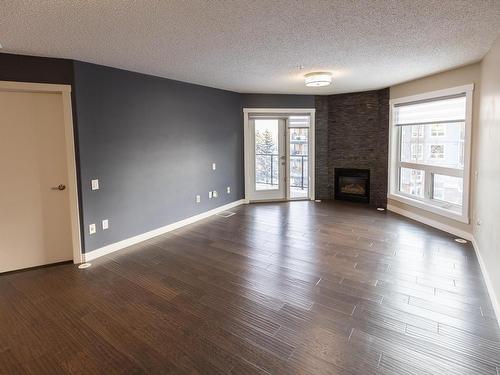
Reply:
x=267, y=170
x=299, y=162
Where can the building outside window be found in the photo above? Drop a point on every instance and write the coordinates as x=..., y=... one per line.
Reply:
x=417, y=151
x=437, y=130
x=417, y=131
x=437, y=151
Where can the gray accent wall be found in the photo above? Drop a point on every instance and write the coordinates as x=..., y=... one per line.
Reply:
x=22, y=68
x=151, y=143
x=277, y=101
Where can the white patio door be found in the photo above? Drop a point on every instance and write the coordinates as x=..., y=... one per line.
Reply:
x=267, y=159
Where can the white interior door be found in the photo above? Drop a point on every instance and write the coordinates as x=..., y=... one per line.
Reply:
x=35, y=224
x=267, y=159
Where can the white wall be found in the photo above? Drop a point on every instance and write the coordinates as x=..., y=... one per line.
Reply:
x=487, y=234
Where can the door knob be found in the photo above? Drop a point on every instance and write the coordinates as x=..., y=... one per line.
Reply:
x=60, y=187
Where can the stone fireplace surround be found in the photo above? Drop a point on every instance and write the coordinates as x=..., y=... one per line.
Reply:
x=352, y=131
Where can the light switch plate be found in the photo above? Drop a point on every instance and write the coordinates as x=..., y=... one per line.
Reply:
x=229, y=189
x=215, y=194
x=198, y=199
x=95, y=184
x=209, y=195
x=105, y=224
x=214, y=166
x=92, y=229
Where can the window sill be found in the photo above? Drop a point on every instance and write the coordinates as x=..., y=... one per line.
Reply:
x=435, y=209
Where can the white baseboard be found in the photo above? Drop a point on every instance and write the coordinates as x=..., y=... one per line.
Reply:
x=94, y=254
x=433, y=223
x=459, y=233
x=487, y=280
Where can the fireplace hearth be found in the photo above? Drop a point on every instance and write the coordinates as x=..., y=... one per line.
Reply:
x=352, y=184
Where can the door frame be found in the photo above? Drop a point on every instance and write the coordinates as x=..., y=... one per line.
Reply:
x=65, y=91
x=247, y=112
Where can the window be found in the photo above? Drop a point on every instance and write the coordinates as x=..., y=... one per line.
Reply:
x=447, y=189
x=426, y=173
x=412, y=182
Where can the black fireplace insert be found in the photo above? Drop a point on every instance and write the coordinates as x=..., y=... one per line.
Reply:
x=352, y=184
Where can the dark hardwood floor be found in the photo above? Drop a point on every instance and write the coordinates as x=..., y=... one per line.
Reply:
x=281, y=288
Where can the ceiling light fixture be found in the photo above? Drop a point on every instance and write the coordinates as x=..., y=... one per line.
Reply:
x=317, y=79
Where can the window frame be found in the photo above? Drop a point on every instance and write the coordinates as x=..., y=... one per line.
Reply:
x=428, y=203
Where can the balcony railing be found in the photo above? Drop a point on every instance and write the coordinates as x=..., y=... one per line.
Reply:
x=299, y=171
x=266, y=170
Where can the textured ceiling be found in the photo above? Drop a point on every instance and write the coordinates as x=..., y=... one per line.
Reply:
x=257, y=46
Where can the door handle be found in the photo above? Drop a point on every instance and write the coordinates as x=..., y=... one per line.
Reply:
x=60, y=187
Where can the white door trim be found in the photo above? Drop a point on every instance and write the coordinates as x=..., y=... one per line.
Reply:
x=287, y=111
x=72, y=187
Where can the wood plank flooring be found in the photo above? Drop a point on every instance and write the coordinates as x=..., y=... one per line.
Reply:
x=278, y=288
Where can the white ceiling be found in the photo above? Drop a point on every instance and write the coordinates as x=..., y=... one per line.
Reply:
x=256, y=46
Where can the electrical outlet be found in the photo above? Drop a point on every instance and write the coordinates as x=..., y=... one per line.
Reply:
x=92, y=228
x=229, y=189
x=214, y=166
x=210, y=195
x=215, y=194
x=95, y=184
x=198, y=199
x=105, y=224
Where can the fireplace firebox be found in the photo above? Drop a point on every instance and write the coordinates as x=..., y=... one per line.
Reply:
x=352, y=184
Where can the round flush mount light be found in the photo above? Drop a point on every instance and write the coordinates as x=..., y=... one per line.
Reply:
x=460, y=240
x=317, y=79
